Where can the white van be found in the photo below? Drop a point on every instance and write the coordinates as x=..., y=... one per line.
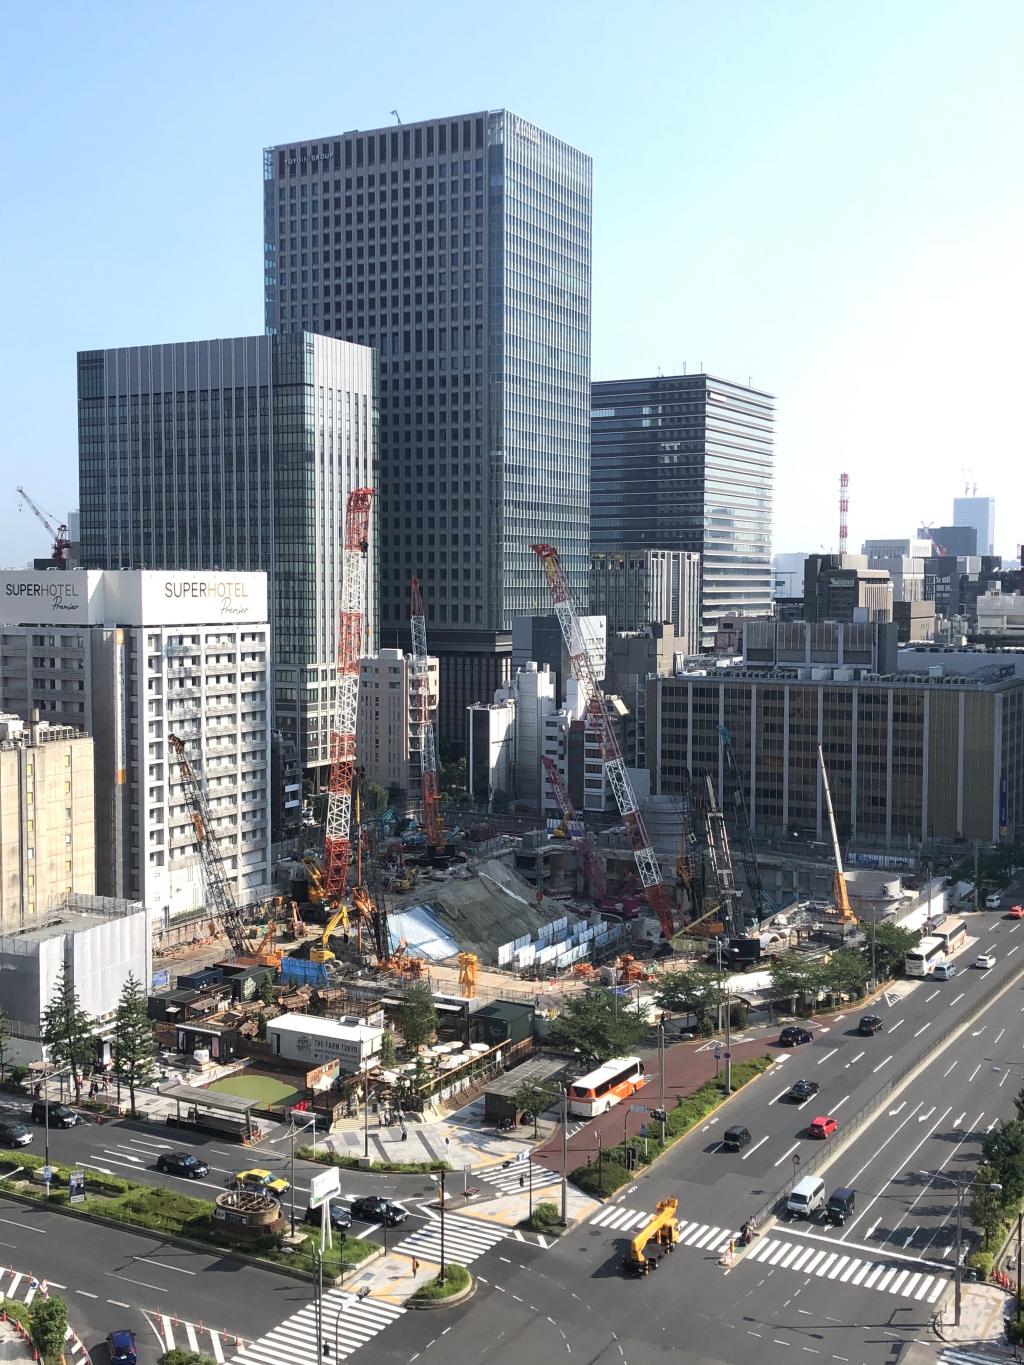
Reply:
x=993, y=900
x=806, y=1197
x=944, y=970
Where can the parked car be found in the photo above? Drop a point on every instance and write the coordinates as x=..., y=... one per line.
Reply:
x=802, y=1090
x=985, y=960
x=822, y=1127
x=260, y=1179
x=734, y=1139
x=13, y=1133
x=121, y=1348
x=60, y=1115
x=792, y=1036
x=183, y=1164
x=870, y=1024
x=341, y=1219
x=373, y=1208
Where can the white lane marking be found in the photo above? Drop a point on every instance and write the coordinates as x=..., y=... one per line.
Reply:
x=995, y=1040
x=164, y=1266
x=754, y=1148
x=946, y=1073
x=1013, y=950
x=1003, y=1081
x=85, y=1294
x=922, y=1029
x=903, y=1164
x=894, y=1027
x=854, y=1059
x=117, y=1303
x=954, y=1001
x=827, y=1056
x=894, y=1112
x=974, y=1073
x=957, y=1122
x=27, y=1226
x=881, y=1064
x=921, y=1118
x=930, y=997
x=784, y=1155
x=158, y=1287
x=839, y=1102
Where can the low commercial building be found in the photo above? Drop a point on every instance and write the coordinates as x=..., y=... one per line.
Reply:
x=1000, y=613
x=844, y=588
x=47, y=832
x=869, y=645
x=633, y=588
x=913, y=621
x=502, y=1021
x=311, y=1041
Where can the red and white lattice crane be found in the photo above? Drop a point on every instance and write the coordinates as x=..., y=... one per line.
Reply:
x=351, y=622
x=591, y=865
x=599, y=719
x=433, y=821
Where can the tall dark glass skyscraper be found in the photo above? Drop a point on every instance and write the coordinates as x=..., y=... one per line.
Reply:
x=460, y=249
x=684, y=462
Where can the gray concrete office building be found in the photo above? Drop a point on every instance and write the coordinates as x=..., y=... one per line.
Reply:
x=460, y=248
x=238, y=454
x=633, y=589
x=979, y=513
x=684, y=462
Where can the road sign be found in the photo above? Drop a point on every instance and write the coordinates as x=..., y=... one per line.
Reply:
x=323, y=1186
x=638, y=1108
x=728, y=1055
x=643, y=1130
x=76, y=1186
x=47, y=1174
x=718, y=1052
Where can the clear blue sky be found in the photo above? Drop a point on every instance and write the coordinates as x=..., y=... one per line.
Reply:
x=824, y=198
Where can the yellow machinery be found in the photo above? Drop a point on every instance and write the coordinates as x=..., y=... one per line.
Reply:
x=315, y=879
x=663, y=1229
x=839, y=893
x=468, y=963
x=323, y=953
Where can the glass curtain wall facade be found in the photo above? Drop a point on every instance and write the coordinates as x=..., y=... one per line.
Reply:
x=237, y=454
x=460, y=249
x=685, y=462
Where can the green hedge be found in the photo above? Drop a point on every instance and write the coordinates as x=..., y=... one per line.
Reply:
x=353, y=1163
x=456, y=1279
x=603, y=1178
x=546, y=1218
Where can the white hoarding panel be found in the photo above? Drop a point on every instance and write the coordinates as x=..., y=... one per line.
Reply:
x=323, y=1186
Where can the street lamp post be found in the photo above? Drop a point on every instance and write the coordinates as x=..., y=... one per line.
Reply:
x=292, y=1134
x=661, y=1076
x=565, y=1155
x=46, y=1116
x=442, y=1276
x=961, y=1187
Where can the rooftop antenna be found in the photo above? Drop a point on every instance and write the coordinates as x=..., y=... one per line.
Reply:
x=398, y=118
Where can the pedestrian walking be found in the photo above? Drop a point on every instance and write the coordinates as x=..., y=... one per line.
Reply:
x=405, y=1133
x=415, y=1266
x=522, y=1181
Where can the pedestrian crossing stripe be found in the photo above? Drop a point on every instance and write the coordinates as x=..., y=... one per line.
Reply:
x=172, y=1332
x=20, y=1284
x=955, y=1357
x=348, y=1322
x=464, y=1240
x=853, y=1270
x=704, y=1236
x=507, y=1180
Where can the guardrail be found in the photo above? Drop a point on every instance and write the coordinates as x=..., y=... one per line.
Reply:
x=867, y=1110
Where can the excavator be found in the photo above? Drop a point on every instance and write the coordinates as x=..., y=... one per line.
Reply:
x=340, y=919
x=662, y=1229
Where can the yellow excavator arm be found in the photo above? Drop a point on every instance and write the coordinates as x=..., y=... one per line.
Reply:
x=662, y=1228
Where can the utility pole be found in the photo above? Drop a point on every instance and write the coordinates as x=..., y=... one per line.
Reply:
x=728, y=1042
x=565, y=1155
x=1020, y=1219
x=961, y=1190
x=661, y=1076
x=975, y=896
x=443, y=1273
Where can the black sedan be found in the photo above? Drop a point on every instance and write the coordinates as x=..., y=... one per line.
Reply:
x=372, y=1208
x=793, y=1036
x=869, y=1025
x=341, y=1219
x=183, y=1164
x=802, y=1090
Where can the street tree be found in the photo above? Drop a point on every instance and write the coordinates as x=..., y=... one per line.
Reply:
x=5, y=1038
x=986, y=1203
x=387, y=1050
x=67, y=1032
x=597, y=1026
x=532, y=1098
x=891, y=947
x=1003, y=1151
x=48, y=1325
x=796, y=977
x=134, y=1040
x=1018, y=1103
x=417, y=1016
x=267, y=990
x=697, y=991
x=845, y=973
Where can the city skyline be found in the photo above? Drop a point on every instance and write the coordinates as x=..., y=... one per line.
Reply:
x=860, y=258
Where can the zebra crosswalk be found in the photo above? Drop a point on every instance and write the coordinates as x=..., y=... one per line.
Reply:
x=464, y=1240
x=24, y=1287
x=348, y=1322
x=890, y=1277
x=952, y=1356
x=704, y=1236
x=172, y=1332
x=507, y=1179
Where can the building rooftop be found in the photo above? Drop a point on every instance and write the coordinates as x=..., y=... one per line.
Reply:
x=325, y=1028
x=77, y=913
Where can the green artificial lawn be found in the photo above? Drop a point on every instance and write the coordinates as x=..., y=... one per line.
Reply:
x=257, y=1085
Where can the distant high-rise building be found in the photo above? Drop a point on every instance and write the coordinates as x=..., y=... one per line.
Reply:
x=460, y=248
x=636, y=588
x=952, y=540
x=981, y=514
x=684, y=462
x=843, y=588
x=237, y=455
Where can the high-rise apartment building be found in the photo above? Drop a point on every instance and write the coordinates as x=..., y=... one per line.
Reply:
x=460, y=249
x=133, y=657
x=388, y=733
x=981, y=514
x=633, y=589
x=47, y=836
x=237, y=455
x=684, y=462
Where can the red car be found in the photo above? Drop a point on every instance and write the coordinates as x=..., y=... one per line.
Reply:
x=1016, y=913
x=821, y=1127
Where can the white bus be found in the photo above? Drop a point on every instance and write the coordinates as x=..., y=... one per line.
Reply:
x=922, y=960
x=598, y=1090
x=953, y=934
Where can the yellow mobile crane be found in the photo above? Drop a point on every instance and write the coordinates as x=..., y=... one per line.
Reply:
x=839, y=892
x=662, y=1228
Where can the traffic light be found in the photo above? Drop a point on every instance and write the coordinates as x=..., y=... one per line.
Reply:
x=658, y=1115
x=630, y=1158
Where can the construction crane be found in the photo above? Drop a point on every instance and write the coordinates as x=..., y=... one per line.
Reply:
x=721, y=863
x=351, y=621
x=599, y=718
x=591, y=866
x=689, y=871
x=433, y=823
x=761, y=904
x=61, y=552
x=218, y=887
x=839, y=892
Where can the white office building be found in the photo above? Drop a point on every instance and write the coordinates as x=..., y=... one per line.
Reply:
x=131, y=657
x=388, y=730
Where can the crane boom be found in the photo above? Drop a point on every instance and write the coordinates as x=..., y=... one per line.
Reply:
x=600, y=720
x=351, y=621
x=61, y=552
x=218, y=886
x=762, y=905
x=591, y=865
x=721, y=862
x=433, y=822
x=840, y=893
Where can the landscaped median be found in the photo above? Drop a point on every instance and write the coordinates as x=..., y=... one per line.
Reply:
x=163, y=1210
x=353, y=1163
x=603, y=1177
x=457, y=1284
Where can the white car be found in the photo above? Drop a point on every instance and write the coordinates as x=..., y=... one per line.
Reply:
x=985, y=960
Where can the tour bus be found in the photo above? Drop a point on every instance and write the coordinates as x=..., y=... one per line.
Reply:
x=922, y=960
x=953, y=934
x=599, y=1090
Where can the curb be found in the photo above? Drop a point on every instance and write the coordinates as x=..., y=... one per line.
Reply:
x=429, y=1305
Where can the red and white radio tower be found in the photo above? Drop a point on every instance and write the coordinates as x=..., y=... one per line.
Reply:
x=844, y=507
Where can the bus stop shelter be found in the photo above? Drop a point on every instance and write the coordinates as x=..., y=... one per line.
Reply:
x=212, y=1111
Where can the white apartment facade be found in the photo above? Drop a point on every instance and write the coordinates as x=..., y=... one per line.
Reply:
x=133, y=656
x=388, y=727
